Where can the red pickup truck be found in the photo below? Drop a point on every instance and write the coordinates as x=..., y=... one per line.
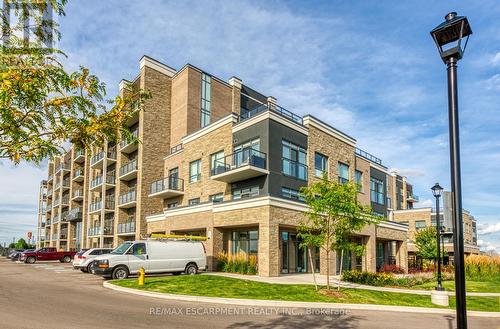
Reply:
x=48, y=253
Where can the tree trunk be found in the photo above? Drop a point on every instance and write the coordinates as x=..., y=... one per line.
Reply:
x=312, y=268
x=328, y=269
x=341, y=264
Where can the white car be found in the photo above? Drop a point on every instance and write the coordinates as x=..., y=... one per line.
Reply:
x=83, y=259
x=155, y=256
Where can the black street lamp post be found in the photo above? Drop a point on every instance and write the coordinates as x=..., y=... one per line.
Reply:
x=436, y=191
x=451, y=31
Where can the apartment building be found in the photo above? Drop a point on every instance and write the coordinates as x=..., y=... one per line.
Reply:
x=41, y=215
x=421, y=218
x=222, y=160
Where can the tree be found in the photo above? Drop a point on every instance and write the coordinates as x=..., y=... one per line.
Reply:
x=426, y=243
x=22, y=244
x=334, y=215
x=41, y=105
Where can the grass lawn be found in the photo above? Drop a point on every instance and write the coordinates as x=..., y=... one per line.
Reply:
x=217, y=286
x=471, y=286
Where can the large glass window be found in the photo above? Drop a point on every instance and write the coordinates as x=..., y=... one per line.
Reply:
x=420, y=224
x=206, y=83
x=294, y=160
x=194, y=171
x=219, y=197
x=217, y=161
x=246, y=192
x=291, y=194
x=343, y=173
x=320, y=164
x=243, y=152
x=377, y=190
x=245, y=242
x=193, y=202
x=359, y=180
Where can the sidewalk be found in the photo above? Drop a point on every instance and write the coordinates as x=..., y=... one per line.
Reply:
x=307, y=278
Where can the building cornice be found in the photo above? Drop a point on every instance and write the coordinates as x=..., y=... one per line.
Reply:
x=309, y=120
x=393, y=226
x=412, y=210
x=152, y=63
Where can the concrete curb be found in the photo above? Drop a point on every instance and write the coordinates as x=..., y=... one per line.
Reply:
x=279, y=303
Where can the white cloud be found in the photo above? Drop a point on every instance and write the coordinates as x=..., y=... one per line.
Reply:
x=488, y=246
x=493, y=83
x=425, y=203
x=488, y=228
x=409, y=172
x=495, y=60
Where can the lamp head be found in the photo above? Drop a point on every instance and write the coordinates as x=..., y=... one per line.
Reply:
x=449, y=34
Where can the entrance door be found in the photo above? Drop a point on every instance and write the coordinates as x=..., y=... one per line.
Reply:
x=380, y=254
x=284, y=252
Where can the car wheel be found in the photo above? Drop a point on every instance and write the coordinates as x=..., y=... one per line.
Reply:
x=66, y=259
x=31, y=260
x=83, y=270
x=89, y=268
x=191, y=269
x=119, y=273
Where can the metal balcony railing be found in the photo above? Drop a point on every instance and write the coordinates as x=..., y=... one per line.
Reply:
x=127, y=141
x=96, y=181
x=167, y=183
x=111, y=178
x=66, y=183
x=130, y=196
x=176, y=148
x=244, y=157
x=129, y=167
x=78, y=193
x=96, y=158
x=126, y=227
x=78, y=172
x=65, y=200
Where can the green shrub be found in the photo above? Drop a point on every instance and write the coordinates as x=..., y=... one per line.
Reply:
x=383, y=279
x=238, y=263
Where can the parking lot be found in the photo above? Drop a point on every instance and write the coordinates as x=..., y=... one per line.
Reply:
x=53, y=295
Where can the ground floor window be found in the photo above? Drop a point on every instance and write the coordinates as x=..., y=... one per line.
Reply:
x=246, y=242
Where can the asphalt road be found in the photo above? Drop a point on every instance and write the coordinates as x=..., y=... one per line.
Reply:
x=52, y=295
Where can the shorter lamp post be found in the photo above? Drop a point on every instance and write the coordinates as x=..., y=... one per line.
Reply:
x=437, y=190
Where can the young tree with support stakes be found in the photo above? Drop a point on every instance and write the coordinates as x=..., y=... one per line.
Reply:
x=42, y=106
x=334, y=216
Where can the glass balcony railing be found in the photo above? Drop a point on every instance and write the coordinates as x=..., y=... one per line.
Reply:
x=56, y=218
x=94, y=231
x=130, y=196
x=250, y=113
x=294, y=169
x=96, y=205
x=126, y=228
x=244, y=157
x=79, y=153
x=167, y=183
x=111, y=178
x=78, y=193
x=98, y=157
x=64, y=216
x=96, y=181
x=129, y=167
x=66, y=183
x=111, y=152
x=109, y=203
x=75, y=214
x=78, y=173
x=65, y=200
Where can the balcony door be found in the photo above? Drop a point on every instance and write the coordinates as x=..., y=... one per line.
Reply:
x=243, y=152
x=173, y=181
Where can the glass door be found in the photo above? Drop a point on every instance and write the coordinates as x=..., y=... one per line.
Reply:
x=284, y=252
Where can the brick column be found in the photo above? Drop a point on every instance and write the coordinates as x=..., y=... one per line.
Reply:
x=269, y=254
x=369, y=260
x=402, y=255
x=213, y=246
x=236, y=94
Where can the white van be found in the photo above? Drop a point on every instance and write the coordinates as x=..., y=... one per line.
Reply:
x=155, y=256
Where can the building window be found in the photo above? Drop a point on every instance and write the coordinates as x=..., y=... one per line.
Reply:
x=294, y=160
x=420, y=225
x=206, y=84
x=219, y=197
x=245, y=242
x=359, y=180
x=378, y=214
x=194, y=171
x=216, y=162
x=343, y=173
x=193, y=202
x=172, y=205
x=291, y=194
x=247, y=192
x=377, y=190
x=320, y=164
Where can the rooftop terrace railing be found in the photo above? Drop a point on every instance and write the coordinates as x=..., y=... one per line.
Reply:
x=368, y=156
x=271, y=107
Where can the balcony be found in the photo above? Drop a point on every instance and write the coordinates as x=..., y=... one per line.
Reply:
x=57, y=185
x=47, y=222
x=50, y=178
x=412, y=197
x=95, y=206
x=55, y=236
x=247, y=114
x=108, y=228
x=244, y=164
x=63, y=166
x=129, y=171
x=79, y=156
x=126, y=228
x=110, y=180
x=56, y=203
x=49, y=193
x=65, y=201
x=175, y=149
x=129, y=145
x=127, y=200
x=56, y=219
x=167, y=187
x=64, y=216
x=78, y=175
x=109, y=203
x=63, y=235
x=75, y=214
x=77, y=195
x=97, y=159
x=96, y=183
x=93, y=231
x=66, y=183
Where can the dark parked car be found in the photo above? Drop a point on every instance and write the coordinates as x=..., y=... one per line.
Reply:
x=12, y=252
x=15, y=256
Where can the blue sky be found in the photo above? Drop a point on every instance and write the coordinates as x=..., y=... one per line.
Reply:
x=368, y=68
